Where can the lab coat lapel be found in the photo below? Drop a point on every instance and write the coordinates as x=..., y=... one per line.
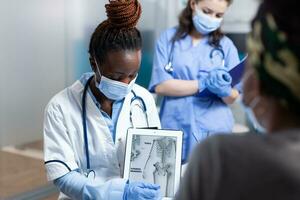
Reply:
x=122, y=126
x=94, y=115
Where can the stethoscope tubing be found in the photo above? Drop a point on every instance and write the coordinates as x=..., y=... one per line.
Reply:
x=84, y=121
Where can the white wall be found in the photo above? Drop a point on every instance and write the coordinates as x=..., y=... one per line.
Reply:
x=81, y=18
x=44, y=46
x=239, y=16
x=43, y=49
x=32, y=65
x=159, y=15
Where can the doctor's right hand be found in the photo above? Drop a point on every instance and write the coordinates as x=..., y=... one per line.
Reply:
x=141, y=191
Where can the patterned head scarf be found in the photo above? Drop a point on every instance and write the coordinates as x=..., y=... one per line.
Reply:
x=276, y=61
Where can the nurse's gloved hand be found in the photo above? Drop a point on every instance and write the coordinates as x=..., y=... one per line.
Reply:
x=219, y=82
x=141, y=191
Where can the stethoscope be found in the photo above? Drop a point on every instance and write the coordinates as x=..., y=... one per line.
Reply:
x=169, y=66
x=135, y=98
x=216, y=50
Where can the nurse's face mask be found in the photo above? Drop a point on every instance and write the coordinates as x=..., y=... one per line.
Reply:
x=113, y=90
x=204, y=23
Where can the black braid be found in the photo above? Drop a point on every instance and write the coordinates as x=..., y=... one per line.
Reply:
x=118, y=32
x=108, y=39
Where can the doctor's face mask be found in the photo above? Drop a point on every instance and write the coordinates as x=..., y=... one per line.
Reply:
x=119, y=74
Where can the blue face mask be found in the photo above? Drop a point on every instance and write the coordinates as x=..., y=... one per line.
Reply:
x=251, y=116
x=114, y=90
x=205, y=24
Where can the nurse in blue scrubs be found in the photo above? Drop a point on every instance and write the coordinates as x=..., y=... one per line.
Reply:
x=188, y=59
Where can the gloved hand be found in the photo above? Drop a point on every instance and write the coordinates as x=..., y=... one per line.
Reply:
x=141, y=191
x=219, y=82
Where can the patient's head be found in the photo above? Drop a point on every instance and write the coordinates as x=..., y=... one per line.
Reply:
x=272, y=78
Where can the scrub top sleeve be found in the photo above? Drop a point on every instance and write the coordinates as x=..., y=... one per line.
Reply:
x=58, y=152
x=161, y=58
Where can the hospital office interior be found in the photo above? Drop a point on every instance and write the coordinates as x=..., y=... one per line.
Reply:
x=44, y=48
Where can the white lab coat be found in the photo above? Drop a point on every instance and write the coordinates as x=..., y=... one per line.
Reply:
x=64, y=143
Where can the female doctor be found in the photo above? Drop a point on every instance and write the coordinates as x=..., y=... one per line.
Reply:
x=85, y=125
x=188, y=59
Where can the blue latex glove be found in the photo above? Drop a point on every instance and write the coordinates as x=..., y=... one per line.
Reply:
x=141, y=191
x=219, y=82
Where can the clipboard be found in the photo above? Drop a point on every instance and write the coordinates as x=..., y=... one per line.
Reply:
x=236, y=73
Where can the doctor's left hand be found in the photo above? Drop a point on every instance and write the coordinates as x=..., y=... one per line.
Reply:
x=219, y=82
x=141, y=191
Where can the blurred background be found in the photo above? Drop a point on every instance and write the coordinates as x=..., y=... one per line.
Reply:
x=43, y=49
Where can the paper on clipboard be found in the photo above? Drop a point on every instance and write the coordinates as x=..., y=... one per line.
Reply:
x=236, y=73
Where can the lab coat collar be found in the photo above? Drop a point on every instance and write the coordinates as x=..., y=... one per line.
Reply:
x=123, y=122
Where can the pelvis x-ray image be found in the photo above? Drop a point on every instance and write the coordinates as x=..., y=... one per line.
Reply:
x=153, y=160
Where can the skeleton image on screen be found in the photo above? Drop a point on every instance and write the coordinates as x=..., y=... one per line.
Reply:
x=153, y=161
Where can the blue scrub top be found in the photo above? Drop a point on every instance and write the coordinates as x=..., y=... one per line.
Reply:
x=197, y=117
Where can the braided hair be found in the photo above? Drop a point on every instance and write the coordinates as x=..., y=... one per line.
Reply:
x=118, y=32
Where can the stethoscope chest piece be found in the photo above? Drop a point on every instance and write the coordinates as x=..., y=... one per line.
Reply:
x=217, y=52
x=169, y=67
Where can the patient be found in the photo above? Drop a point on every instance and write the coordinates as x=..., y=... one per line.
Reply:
x=253, y=167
